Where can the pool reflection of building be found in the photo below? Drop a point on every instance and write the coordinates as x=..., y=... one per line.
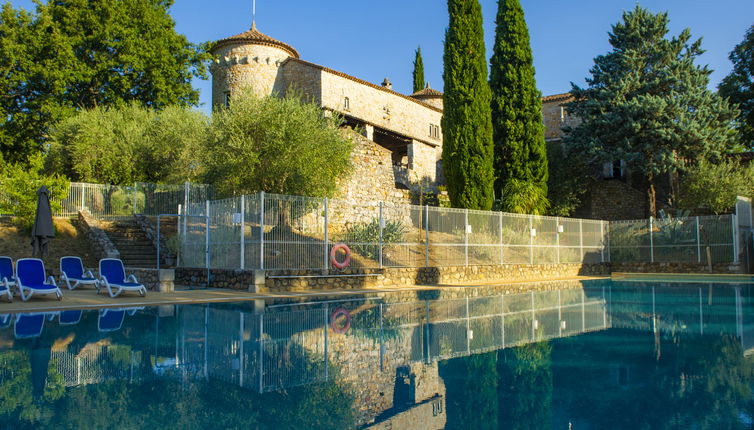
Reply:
x=389, y=352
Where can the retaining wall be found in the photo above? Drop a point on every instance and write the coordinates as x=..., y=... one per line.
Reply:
x=302, y=280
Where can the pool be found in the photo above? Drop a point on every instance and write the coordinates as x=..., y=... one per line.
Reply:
x=609, y=354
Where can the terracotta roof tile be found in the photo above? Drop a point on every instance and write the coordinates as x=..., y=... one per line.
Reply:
x=427, y=93
x=256, y=37
x=557, y=97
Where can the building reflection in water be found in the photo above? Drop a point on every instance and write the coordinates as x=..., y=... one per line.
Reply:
x=386, y=352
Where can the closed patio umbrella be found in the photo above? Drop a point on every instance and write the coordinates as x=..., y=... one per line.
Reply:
x=43, y=230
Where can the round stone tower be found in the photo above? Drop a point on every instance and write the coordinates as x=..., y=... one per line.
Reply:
x=429, y=96
x=250, y=59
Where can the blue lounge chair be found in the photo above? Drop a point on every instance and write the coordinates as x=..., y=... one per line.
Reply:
x=72, y=273
x=29, y=325
x=7, y=280
x=113, y=277
x=69, y=317
x=30, y=277
x=110, y=319
x=5, y=320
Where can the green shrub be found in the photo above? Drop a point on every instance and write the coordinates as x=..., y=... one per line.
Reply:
x=715, y=186
x=122, y=201
x=19, y=183
x=362, y=238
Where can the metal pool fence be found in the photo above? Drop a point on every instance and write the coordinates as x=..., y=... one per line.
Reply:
x=281, y=232
x=675, y=240
x=277, y=232
x=117, y=201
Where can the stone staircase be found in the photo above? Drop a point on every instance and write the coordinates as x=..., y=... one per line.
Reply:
x=136, y=250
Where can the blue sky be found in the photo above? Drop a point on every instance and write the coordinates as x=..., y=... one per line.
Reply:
x=376, y=39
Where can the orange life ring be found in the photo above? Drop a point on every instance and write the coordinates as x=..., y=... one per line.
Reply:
x=333, y=256
x=336, y=327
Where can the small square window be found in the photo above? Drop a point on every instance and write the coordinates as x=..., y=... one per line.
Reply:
x=346, y=103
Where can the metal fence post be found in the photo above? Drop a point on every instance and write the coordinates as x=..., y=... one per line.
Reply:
x=183, y=238
x=734, y=220
x=261, y=352
x=243, y=232
x=502, y=257
x=326, y=236
x=240, y=349
x=468, y=328
x=581, y=239
x=382, y=225
x=466, y=236
x=698, y=242
x=426, y=236
x=609, y=258
x=557, y=238
x=651, y=242
x=134, y=198
x=83, y=196
x=261, y=230
x=602, y=238
x=206, y=240
x=326, y=339
x=531, y=239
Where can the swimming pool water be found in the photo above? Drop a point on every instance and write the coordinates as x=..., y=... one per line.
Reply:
x=608, y=355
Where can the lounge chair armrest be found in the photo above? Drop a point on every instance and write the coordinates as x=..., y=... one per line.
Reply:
x=51, y=281
x=89, y=274
x=132, y=278
x=63, y=277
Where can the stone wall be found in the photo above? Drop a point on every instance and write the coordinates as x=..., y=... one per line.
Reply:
x=150, y=230
x=374, y=105
x=722, y=268
x=613, y=199
x=373, y=181
x=240, y=65
x=305, y=280
x=97, y=237
x=555, y=115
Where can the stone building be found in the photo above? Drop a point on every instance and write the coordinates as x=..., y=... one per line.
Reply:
x=405, y=127
x=615, y=193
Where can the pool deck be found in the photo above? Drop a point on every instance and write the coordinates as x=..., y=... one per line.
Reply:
x=89, y=299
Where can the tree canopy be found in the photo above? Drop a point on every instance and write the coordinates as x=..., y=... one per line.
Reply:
x=647, y=102
x=715, y=186
x=278, y=145
x=738, y=86
x=466, y=123
x=418, y=71
x=82, y=54
x=518, y=131
x=131, y=143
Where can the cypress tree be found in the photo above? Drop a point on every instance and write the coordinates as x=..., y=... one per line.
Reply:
x=519, y=136
x=418, y=71
x=466, y=123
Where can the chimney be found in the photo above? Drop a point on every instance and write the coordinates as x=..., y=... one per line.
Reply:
x=387, y=84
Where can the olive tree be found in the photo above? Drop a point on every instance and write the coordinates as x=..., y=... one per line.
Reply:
x=277, y=145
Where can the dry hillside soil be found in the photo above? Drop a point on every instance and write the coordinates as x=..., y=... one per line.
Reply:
x=16, y=243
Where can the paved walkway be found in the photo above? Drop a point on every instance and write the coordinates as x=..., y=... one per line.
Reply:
x=88, y=298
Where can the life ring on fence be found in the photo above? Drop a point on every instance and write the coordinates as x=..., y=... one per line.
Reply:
x=334, y=321
x=334, y=253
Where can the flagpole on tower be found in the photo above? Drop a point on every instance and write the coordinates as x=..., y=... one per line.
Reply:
x=253, y=14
